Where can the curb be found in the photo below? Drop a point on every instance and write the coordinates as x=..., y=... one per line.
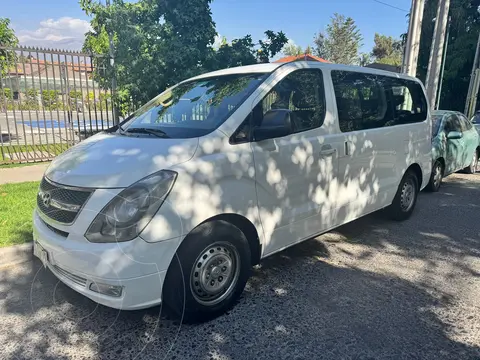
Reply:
x=16, y=254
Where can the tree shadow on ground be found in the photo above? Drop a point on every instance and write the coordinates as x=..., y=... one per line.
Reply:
x=298, y=304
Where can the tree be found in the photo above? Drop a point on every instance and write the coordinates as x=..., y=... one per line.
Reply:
x=242, y=51
x=341, y=42
x=464, y=30
x=365, y=59
x=291, y=49
x=387, y=50
x=158, y=43
x=7, y=38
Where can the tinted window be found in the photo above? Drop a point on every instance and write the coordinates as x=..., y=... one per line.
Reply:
x=303, y=94
x=452, y=123
x=195, y=108
x=475, y=119
x=366, y=101
x=466, y=125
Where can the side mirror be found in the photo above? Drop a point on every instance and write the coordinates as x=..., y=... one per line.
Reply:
x=276, y=123
x=453, y=135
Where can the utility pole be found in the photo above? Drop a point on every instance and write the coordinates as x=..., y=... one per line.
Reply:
x=413, y=38
x=472, y=79
x=443, y=64
x=112, y=64
x=436, y=52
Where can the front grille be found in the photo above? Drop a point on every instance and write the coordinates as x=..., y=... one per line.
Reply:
x=61, y=203
x=68, y=275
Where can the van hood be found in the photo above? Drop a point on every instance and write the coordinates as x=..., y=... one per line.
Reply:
x=115, y=161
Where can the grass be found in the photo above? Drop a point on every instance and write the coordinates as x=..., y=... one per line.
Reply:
x=17, y=202
x=15, y=165
x=47, y=149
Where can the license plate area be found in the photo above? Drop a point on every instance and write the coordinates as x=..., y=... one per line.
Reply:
x=41, y=253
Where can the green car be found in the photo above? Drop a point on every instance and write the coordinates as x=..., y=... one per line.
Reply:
x=455, y=146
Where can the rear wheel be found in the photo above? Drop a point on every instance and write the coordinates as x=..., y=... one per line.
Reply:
x=435, y=177
x=472, y=169
x=405, y=198
x=208, y=273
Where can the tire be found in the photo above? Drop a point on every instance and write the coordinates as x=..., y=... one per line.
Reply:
x=399, y=210
x=186, y=288
x=436, y=177
x=472, y=168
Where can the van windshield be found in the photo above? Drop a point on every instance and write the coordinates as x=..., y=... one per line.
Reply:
x=194, y=108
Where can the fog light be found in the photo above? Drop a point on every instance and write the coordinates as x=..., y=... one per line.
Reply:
x=106, y=289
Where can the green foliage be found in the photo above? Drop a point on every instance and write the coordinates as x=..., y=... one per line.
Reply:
x=271, y=46
x=464, y=30
x=50, y=100
x=7, y=93
x=341, y=42
x=30, y=101
x=291, y=49
x=387, y=50
x=365, y=59
x=7, y=38
x=75, y=95
x=156, y=44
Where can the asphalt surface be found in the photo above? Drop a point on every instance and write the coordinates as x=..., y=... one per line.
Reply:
x=373, y=289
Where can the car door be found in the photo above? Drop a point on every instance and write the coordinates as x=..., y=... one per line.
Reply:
x=367, y=162
x=294, y=173
x=470, y=140
x=475, y=120
x=454, y=157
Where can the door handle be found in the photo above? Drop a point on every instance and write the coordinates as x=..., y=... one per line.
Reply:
x=328, y=152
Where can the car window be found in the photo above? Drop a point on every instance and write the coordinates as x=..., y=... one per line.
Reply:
x=302, y=93
x=452, y=123
x=465, y=124
x=475, y=119
x=436, y=121
x=195, y=108
x=409, y=101
x=366, y=101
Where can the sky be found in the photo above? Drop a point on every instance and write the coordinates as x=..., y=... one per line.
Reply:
x=61, y=23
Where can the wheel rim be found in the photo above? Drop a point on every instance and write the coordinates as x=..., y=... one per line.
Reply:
x=475, y=162
x=408, y=195
x=215, y=273
x=437, y=176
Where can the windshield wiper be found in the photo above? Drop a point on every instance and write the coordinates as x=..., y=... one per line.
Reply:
x=155, y=132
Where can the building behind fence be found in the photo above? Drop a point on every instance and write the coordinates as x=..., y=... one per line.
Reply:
x=49, y=101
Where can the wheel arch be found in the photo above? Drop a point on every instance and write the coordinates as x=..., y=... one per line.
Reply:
x=442, y=161
x=246, y=227
x=417, y=170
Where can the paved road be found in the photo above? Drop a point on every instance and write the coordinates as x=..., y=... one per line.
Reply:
x=372, y=290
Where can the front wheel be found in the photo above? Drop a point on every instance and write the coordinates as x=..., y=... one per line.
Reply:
x=405, y=198
x=436, y=177
x=208, y=273
x=472, y=169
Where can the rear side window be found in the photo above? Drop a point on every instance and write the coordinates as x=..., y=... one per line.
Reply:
x=452, y=124
x=466, y=125
x=368, y=101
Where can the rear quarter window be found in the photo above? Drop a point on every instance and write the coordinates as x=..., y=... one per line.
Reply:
x=367, y=101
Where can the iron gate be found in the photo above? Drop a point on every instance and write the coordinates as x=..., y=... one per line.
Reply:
x=49, y=101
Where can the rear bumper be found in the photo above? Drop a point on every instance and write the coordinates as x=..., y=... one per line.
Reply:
x=138, y=267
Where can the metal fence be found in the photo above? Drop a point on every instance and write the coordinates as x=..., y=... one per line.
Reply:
x=49, y=101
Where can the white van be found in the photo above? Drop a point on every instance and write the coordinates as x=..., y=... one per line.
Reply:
x=176, y=204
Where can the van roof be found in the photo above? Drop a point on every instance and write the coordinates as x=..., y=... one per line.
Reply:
x=270, y=67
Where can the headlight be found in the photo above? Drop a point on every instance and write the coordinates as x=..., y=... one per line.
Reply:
x=129, y=212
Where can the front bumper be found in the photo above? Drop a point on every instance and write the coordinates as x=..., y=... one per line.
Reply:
x=136, y=266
